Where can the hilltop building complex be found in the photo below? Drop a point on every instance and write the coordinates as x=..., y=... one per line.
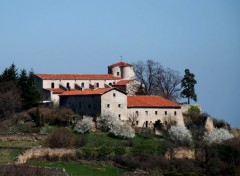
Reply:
x=94, y=94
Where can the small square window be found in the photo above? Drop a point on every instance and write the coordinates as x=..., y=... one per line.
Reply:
x=146, y=112
x=114, y=94
x=175, y=112
x=119, y=105
x=119, y=116
x=156, y=113
x=136, y=112
x=137, y=122
x=117, y=73
x=108, y=105
x=165, y=112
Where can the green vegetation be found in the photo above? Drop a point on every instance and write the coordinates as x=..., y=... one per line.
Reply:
x=77, y=168
x=8, y=155
x=19, y=144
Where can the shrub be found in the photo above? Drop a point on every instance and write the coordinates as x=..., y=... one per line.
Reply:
x=24, y=128
x=85, y=125
x=122, y=130
x=80, y=141
x=217, y=136
x=180, y=134
x=60, y=138
x=46, y=129
x=106, y=121
x=221, y=124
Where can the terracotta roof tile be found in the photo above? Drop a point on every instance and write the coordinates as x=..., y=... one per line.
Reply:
x=56, y=90
x=99, y=91
x=77, y=77
x=150, y=101
x=122, y=82
x=120, y=64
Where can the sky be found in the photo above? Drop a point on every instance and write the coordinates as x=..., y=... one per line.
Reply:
x=76, y=36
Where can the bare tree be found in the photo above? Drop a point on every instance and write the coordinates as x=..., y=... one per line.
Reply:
x=10, y=98
x=168, y=84
x=156, y=80
x=146, y=74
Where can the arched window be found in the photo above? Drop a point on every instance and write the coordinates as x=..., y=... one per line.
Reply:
x=68, y=85
x=52, y=85
x=110, y=84
x=97, y=84
x=82, y=85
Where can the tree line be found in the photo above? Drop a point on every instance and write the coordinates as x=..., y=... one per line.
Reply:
x=18, y=90
x=154, y=79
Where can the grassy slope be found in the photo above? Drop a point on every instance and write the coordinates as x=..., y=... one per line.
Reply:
x=79, y=169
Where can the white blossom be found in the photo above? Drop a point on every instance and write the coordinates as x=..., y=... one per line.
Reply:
x=217, y=136
x=180, y=134
x=85, y=125
x=106, y=121
x=122, y=130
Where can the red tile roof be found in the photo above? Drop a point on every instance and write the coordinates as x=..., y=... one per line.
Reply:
x=120, y=64
x=56, y=90
x=99, y=91
x=122, y=82
x=150, y=101
x=77, y=77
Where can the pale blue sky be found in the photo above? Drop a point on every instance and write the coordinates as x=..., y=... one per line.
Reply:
x=59, y=36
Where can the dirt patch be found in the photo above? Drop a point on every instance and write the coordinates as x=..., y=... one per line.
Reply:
x=21, y=137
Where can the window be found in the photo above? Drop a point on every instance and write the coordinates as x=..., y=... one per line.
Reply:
x=68, y=85
x=156, y=113
x=110, y=84
x=52, y=85
x=146, y=124
x=114, y=94
x=108, y=105
x=80, y=105
x=146, y=112
x=137, y=122
x=82, y=85
x=97, y=84
x=119, y=116
x=165, y=112
x=136, y=112
x=175, y=112
x=89, y=106
x=117, y=73
x=119, y=105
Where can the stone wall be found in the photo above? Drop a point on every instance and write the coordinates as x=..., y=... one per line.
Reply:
x=39, y=152
x=185, y=153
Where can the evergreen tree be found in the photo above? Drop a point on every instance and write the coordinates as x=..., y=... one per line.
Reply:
x=31, y=94
x=23, y=84
x=188, y=83
x=10, y=74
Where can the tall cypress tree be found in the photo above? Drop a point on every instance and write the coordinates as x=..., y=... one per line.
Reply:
x=188, y=83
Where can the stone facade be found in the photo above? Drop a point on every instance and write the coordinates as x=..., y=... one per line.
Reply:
x=111, y=100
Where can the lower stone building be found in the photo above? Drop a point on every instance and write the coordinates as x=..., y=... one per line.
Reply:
x=143, y=111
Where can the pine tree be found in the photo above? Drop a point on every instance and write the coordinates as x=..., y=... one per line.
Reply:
x=23, y=84
x=188, y=83
x=10, y=74
x=31, y=94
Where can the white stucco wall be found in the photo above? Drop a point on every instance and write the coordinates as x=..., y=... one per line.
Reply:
x=111, y=103
x=149, y=115
x=128, y=73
